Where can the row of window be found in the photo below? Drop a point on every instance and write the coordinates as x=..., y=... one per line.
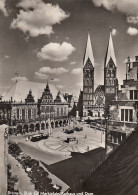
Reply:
x=127, y=115
x=61, y=111
x=26, y=113
x=110, y=73
x=110, y=82
x=47, y=108
x=133, y=94
x=47, y=116
x=88, y=103
x=44, y=101
x=87, y=97
x=87, y=90
x=110, y=90
x=88, y=82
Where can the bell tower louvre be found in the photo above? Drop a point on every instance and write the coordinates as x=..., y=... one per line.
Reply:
x=88, y=78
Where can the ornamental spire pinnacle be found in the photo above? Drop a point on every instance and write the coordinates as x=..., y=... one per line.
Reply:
x=88, y=51
x=110, y=54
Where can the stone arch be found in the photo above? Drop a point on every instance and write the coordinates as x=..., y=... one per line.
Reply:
x=25, y=128
x=19, y=129
x=90, y=113
x=64, y=122
x=37, y=126
x=31, y=127
x=56, y=124
x=60, y=123
x=43, y=126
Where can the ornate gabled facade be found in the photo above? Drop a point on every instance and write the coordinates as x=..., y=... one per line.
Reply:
x=30, y=98
x=47, y=95
x=88, y=78
x=46, y=104
x=58, y=98
x=30, y=113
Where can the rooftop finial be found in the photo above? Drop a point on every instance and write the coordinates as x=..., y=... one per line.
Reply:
x=111, y=29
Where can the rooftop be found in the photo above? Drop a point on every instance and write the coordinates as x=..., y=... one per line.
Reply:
x=20, y=90
x=119, y=173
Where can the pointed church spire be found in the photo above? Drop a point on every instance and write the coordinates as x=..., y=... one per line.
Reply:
x=88, y=52
x=110, y=54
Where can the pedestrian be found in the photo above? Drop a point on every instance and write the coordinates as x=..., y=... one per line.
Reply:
x=87, y=148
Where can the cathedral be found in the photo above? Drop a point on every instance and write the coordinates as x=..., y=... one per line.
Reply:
x=96, y=101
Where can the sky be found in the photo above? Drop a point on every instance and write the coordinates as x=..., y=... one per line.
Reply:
x=45, y=40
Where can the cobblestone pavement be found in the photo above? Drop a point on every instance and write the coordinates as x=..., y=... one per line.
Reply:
x=88, y=139
x=54, y=149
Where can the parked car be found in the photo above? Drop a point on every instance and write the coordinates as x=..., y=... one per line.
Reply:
x=68, y=131
x=36, y=138
x=45, y=136
x=78, y=128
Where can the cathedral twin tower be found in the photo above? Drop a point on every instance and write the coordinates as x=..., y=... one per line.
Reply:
x=94, y=101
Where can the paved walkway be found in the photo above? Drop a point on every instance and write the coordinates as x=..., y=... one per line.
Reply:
x=3, y=162
x=24, y=184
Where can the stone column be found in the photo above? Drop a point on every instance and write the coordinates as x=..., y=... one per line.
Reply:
x=45, y=126
x=39, y=126
x=54, y=125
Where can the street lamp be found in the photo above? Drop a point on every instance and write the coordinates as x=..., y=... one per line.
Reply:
x=106, y=129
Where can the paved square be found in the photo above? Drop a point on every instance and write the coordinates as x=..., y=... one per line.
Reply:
x=86, y=140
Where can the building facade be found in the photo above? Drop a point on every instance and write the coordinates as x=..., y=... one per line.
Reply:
x=34, y=114
x=95, y=100
x=124, y=110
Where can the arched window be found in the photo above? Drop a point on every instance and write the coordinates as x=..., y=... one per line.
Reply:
x=108, y=73
x=112, y=73
x=107, y=82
